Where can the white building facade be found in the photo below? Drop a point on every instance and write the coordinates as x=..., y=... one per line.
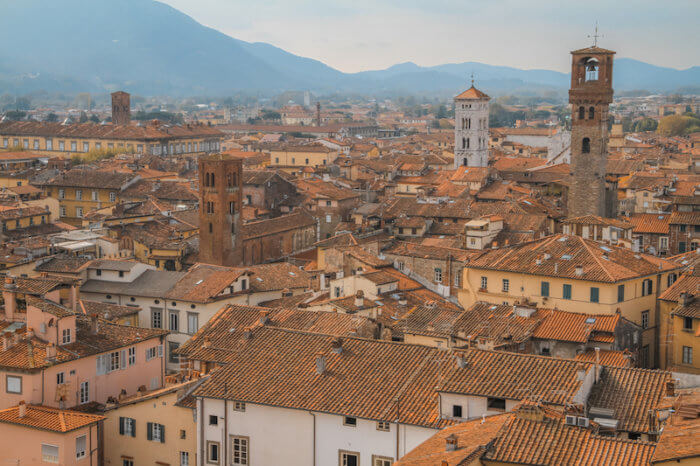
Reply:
x=471, y=128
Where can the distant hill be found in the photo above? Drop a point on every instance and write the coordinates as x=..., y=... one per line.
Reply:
x=147, y=47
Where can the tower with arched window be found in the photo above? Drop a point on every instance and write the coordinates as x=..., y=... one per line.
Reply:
x=471, y=128
x=590, y=94
x=220, y=202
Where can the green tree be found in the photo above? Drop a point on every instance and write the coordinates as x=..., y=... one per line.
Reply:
x=678, y=125
x=15, y=115
x=51, y=118
x=83, y=117
x=645, y=124
x=94, y=118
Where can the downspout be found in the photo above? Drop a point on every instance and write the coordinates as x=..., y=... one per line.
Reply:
x=42, y=386
x=200, y=419
x=90, y=442
x=398, y=427
x=313, y=443
x=225, y=431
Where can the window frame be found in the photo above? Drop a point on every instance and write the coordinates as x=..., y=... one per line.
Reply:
x=505, y=285
x=349, y=421
x=244, y=442
x=78, y=455
x=45, y=455
x=687, y=355
x=379, y=460
x=544, y=289
x=595, y=295
x=210, y=444
x=490, y=401
x=644, y=319
x=484, y=283
x=7, y=384
x=566, y=291
x=342, y=453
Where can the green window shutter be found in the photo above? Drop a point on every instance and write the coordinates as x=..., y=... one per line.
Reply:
x=133, y=427
x=566, y=294
x=595, y=294
x=149, y=433
x=162, y=433
x=545, y=289
x=121, y=426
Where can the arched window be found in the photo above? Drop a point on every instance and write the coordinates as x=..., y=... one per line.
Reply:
x=591, y=113
x=591, y=69
x=467, y=143
x=585, y=146
x=206, y=179
x=581, y=113
x=464, y=143
x=464, y=162
x=211, y=228
x=212, y=180
x=231, y=207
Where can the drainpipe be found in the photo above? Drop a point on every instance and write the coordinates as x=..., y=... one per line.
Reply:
x=313, y=443
x=398, y=427
x=200, y=419
x=225, y=430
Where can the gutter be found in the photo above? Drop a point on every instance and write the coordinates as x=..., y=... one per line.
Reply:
x=313, y=448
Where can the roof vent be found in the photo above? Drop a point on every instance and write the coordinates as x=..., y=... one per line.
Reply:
x=579, y=270
x=451, y=443
x=547, y=256
x=337, y=345
x=320, y=363
x=21, y=409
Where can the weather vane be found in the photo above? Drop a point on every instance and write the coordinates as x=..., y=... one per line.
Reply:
x=595, y=36
x=472, y=76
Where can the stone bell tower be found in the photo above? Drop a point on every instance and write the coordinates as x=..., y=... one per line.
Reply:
x=471, y=128
x=590, y=95
x=121, y=108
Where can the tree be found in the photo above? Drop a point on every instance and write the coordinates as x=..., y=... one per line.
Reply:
x=51, y=117
x=83, y=117
x=23, y=103
x=678, y=125
x=442, y=112
x=645, y=124
x=94, y=118
x=15, y=115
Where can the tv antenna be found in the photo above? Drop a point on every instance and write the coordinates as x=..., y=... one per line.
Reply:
x=595, y=35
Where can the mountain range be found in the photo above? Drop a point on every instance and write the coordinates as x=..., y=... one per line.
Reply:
x=150, y=48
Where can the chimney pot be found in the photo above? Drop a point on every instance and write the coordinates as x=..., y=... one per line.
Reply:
x=264, y=317
x=206, y=343
x=451, y=443
x=671, y=388
x=337, y=345
x=320, y=363
x=22, y=409
x=94, y=324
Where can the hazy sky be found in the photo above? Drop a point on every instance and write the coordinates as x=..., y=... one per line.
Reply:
x=357, y=35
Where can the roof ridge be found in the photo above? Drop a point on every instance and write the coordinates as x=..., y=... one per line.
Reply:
x=598, y=261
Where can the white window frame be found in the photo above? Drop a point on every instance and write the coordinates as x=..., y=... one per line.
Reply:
x=484, y=283
x=132, y=356
x=80, y=452
x=184, y=458
x=15, y=379
x=49, y=456
x=240, y=450
x=84, y=393
x=65, y=336
x=437, y=272
x=506, y=285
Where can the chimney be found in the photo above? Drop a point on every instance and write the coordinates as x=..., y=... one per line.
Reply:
x=581, y=372
x=556, y=267
x=21, y=409
x=686, y=299
x=402, y=300
x=51, y=352
x=6, y=342
x=359, y=298
x=494, y=245
x=94, y=324
x=547, y=256
x=671, y=388
x=579, y=270
x=9, y=295
x=247, y=333
x=451, y=443
x=337, y=345
x=264, y=317
x=206, y=343
x=320, y=363
x=597, y=363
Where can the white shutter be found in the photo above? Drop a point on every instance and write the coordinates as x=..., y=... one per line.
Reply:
x=160, y=351
x=122, y=359
x=100, y=364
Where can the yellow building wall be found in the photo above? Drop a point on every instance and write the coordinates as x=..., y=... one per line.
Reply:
x=69, y=203
x=301, y=159
x=11, y=181
x=672, y=343
x=25, y=222
x=161, y=410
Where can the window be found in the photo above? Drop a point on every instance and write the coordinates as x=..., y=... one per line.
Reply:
x=663, y=242
x=683, y=228
x=155, y=432
x=647, y=287
x=544, y=289
x=172, y=357
x=687, y=323
x=238, y=406
x=349, y=458
x=126, y=462
x=586, y=146
x=112, y=197
x=566, y=291
x=114, y=361
x=506, y=285
x=383, y=426
x=644, y=356
x=456, y=410
x=382, y=461
x=645, y=319
x=174, y=321
x=156, y=318
x=154, y=352
x=79, y=212
x=213, y=452
x=183, y=434
x=65, y=336
x=687, y=355
x=192, y=323
x=239, y=450
x=213, y=420
x=484, y=283
x=127, y=426
x=328, y=219
x=496, y=404
x=184, y=458
x=84, y=392
x=438, y=275
x=13, y=384
x=620, y=293
x=61, y=193
x=350, y=421
x=595, y=294
x=49, y=453
x=80, y=447
x=591, y=113
x=73, y=146
x=86, y=146
x=60, y=378
x=671, y=279
x=682, y=246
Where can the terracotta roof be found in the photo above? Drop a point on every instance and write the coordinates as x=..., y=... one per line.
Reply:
x=63, y=264
x=600, y=263
x=686, y=283
x=650, y=223
x=277, y=276
x=39, y=286
x=225, y=330
x=107, y=311
x=204, y=283
x=679, y=438
x=299, y=219
x=51, y=419
x=573, y=326
x=684, y=218
x=278, y=367
x=497, y=324
x=631, y=394
x=550, y=441
x=596, y=220
x=472, y=437
x=98, y=179
x=607, y=357
x=472, y=93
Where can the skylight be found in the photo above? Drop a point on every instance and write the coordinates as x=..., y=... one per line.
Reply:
x=605, y=248
x=199, y=282
x=590, y=320
x=567, y=257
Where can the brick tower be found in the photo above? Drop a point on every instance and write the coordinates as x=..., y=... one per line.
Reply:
x=121, y=108
x=220, y=187
x=590, y=94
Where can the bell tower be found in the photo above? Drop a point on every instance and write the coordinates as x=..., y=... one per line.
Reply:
x=121, y=108
x=590, y=95
x=220, y=191
x=471, y=128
